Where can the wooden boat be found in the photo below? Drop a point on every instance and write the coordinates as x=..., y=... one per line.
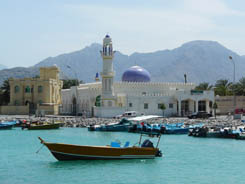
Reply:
x=121, y=126
x=42, y=126
x=63, y=152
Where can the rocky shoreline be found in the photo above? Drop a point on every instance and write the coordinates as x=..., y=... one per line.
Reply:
x=72, y=121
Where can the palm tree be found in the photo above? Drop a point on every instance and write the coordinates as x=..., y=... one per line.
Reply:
x=204, y=86
x=223, y=87
x=5, y=92
x=239, y=88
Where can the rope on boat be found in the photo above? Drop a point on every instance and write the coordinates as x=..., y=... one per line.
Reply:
x=39, y=149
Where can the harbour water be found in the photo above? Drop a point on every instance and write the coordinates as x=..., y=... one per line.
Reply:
x=185, y=159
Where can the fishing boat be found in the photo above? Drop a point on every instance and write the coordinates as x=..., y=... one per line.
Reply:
x=4, y=126
x=176, y=128
x=121, y=126
x=7, y=125
x=215, y=132
x=147, y=128
x=42, y=126
x=141, y=125
x=63, y=152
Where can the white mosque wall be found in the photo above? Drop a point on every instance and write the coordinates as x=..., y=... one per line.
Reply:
x=108, y=112
x=148, y=105
x=138, y=94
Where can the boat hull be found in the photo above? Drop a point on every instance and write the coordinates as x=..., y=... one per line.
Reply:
x=63, y=152
x=5, y=127
x=44, y=127
x=177, y=131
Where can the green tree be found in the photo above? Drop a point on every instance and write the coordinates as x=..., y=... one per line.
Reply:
x=204, y=86
x=67, y=84
x=223, y=87
x=239, y=88
x=5, y=93
x=162, y=107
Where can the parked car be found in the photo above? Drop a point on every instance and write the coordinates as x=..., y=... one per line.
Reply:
x=130, y=114
x=200, y=114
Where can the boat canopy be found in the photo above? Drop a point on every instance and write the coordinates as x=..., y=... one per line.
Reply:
x=142, y=118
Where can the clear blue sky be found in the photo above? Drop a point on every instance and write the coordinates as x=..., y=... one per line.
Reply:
x=32, y=30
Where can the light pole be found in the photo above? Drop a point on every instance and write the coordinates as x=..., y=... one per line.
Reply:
x=234, y=78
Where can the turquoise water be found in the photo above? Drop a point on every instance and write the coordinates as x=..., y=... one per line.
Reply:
x=186, y=160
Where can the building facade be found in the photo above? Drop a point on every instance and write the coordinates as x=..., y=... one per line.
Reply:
x=135, y=92
x=39, y=95
x=227, y=104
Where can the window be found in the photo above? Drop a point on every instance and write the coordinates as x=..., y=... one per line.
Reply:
x=28, y=89
x=171, y=105
x=143, y=93
x=16, y=89
x=40, y=89
x=145, y=105
x=130, y=105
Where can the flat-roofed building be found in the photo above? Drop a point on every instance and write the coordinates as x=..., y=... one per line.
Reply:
x=40, y=95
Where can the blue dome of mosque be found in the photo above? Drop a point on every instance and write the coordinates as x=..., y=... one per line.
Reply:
x=136, y=74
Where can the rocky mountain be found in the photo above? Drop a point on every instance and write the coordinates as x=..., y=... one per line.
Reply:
x=18, y=72
x=202, y=61
x=2, y=66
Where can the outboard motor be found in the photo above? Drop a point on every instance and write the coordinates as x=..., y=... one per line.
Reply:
x=147, y=143
x=159, y=153
x=163, y=129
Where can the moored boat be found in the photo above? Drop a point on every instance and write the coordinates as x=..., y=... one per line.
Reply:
x=63, y=152
x=121, y=126
x=7, y=125
x=4, y=126
x=176, y=128
x=214, y=132
x=42, y=126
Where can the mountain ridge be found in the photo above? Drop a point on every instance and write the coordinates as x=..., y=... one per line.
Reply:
x=202, y=61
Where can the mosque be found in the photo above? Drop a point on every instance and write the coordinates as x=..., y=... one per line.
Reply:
x=135, y=92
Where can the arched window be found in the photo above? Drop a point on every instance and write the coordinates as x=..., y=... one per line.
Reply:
x=16, y=89
x=28, y=89
x=40, y=89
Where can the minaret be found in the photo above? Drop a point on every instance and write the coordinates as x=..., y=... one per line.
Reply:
x=97, y=79
x=107, y=98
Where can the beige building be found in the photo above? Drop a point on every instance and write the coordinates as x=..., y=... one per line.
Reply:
x=39, y=95
x=226, y=103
